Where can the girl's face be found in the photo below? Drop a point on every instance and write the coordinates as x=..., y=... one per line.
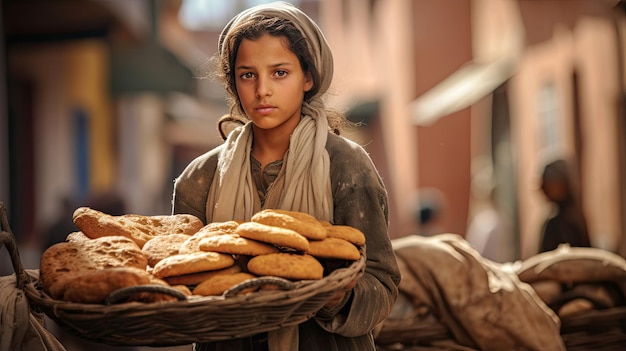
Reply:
x=270, y=82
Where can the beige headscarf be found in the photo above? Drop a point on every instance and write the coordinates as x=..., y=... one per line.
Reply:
x=304, y=182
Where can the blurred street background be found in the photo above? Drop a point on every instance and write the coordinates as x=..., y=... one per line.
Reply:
x=460, y=104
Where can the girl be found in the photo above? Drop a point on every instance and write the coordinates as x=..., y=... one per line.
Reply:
x=276, y=66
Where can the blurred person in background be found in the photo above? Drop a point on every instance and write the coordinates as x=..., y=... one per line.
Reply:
x=487, y=231
x=567, y=224
x=431, y=204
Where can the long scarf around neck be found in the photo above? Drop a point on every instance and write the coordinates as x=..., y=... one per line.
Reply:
x=303, y=184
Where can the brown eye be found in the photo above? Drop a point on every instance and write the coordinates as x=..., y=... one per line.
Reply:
x=247, y=75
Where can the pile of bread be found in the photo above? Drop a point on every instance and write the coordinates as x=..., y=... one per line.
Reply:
x=575, y=280
x=110, y=252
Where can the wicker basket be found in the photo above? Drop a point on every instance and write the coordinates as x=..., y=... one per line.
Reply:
x=182, y=322
x=589, y=331
x=405, y=334
x=595, y=330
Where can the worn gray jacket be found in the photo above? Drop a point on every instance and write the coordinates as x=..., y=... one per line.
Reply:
x=360, y=200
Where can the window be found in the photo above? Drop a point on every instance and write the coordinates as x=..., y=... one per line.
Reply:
x=548, y=123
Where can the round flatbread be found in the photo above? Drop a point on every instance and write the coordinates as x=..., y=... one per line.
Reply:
x=334, y=248
x=191, y=263
x=300, y=222
x=325, y=223
x=65, y=258
x=236, y=245
x=346, y=232
x=193, y=279
x=273, y=235
x=287, y=265
x=77, y=237
x=192, y=244
x=225, y=227
x=575, y=307
x=218, y=284
x=181, y=223
x=96, y=224
x=96, y=286
x=139, y=228
x=163, y=246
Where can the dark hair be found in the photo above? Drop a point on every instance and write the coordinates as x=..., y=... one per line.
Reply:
x=557, y=171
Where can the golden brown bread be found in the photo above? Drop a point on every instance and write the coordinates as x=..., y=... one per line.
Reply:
x=273, y=235
x=139, y=228
x=77, y=237
x=192, y=279
x=218, y=284
x=236, y=245
x=111, y=252
x=334, y=248
x=575, y=307
x=300, y=222
x=225, y=227
x=95, y=286
x=287, y=265
x=163, y=246
x=346, y=232
x=60, y=260
x=192, y=244
x=191, y=263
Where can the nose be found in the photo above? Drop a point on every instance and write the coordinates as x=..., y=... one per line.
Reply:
x=263, y=87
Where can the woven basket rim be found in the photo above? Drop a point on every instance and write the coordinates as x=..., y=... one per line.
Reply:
x=331, y=282
x=286, y=307
x=181, y=322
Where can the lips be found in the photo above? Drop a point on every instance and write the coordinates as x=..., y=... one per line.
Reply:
x=265, y=109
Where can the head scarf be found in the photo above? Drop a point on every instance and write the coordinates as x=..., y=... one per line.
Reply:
x=316, y=41
x=304, y=182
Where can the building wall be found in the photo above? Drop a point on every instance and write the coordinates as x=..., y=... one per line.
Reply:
x=374, y=61
x=442, y=40
x=66, y=78
x=544, y=89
